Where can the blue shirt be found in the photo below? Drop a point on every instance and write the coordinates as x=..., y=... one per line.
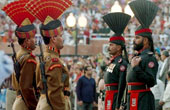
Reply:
x=86, y=89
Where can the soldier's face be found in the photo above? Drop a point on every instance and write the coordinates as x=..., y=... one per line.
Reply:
x=31, y=43
x=138, y=43
x=59, y=42
x=113, y=48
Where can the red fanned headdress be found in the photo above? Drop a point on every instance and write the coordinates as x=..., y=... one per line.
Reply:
x=20, y=16
x=48, y=11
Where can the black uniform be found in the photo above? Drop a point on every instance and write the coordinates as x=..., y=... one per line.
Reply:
x=140, y=79
x=116, y=75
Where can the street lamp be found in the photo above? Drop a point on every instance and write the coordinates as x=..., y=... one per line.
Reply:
x=128, y=10
x=72, y=22
x=116, y=7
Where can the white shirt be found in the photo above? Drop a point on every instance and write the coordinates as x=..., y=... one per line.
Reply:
x=158, y=89
x=166, y=96
x=6, y=66
x=159, y=68
x=163, y=66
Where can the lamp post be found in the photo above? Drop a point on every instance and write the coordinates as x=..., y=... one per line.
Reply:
x=116, y=7
x=128, y=10
x=72, y=22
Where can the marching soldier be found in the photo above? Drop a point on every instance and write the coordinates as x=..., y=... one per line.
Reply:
x=23, y=78
x=54, y=94
x=115, y=76
x=142, y=74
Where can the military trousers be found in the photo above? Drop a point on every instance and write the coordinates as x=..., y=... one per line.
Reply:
x=42, y=104
x=19, y=104
x=166, y=109
x=67, y=103
x=10, y=99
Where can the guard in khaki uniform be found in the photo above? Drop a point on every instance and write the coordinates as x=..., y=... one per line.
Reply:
x=23, y=81
x=115, y=75
x=56, y=74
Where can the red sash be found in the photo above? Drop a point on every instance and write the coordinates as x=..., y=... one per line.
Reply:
x=134, y=94
x=109, y=99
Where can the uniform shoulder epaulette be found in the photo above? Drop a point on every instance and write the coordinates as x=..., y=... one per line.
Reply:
x=31, y=61
x=55, y=66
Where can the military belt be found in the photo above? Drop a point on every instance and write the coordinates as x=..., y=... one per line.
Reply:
x=108, y=88
x=137, y=86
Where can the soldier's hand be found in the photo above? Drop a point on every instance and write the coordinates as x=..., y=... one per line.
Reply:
x=116, y=109
x=135, y=61
x=80, y=103
x=94, y=104
x=121, y=108
x=161, y=103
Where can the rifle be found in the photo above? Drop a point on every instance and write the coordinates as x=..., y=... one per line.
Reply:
x=43, y=76
x=17, y=66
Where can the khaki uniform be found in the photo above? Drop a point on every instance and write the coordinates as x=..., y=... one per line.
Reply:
x=10, y=99
x=25, y=86
x=57, y=79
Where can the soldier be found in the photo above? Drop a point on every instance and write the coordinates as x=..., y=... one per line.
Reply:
x=142, y=73
x=23, y=78
x=55, y=95
x=115, y=76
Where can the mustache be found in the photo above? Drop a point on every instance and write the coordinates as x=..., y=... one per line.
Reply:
x=134, y=43
x=108, y=49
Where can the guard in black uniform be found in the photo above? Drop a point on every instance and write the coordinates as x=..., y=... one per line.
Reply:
x=142, y=73
x=115, y=76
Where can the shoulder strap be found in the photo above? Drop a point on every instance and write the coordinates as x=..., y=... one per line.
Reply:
x=21, y=57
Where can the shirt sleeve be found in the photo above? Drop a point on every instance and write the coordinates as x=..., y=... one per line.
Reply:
x=121, y=86
x=78, y=89
x=166, y=97
x=26, y=80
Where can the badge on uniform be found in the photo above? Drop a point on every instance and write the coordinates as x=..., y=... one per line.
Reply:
x=151, y=64
x=122, y=68
x=133, y=102
x=54, y=59
x=48, y=58
x=111, y=67
x=108, y=104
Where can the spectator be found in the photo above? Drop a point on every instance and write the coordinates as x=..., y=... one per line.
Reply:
x=166, y=97
x=166, y=64
x=157, y=91
x=86, y=90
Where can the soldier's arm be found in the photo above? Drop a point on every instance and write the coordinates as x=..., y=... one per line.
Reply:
x=147, y=74
x=26, y=82
x=54, y=84
x=66, y=81
x=122, y=84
